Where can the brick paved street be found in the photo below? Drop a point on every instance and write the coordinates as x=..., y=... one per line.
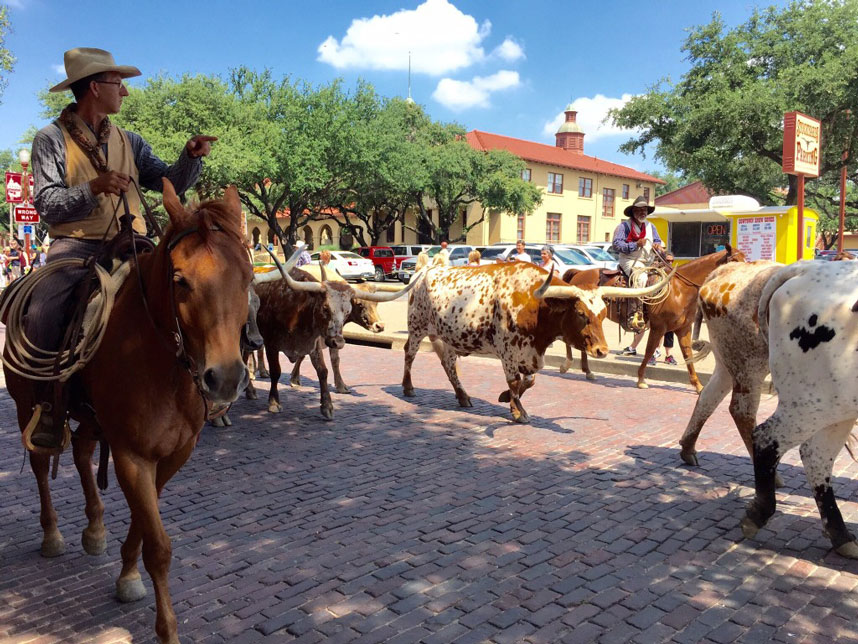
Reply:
x=412, y=520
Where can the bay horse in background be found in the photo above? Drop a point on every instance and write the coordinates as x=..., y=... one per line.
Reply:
x=187, y=298
x=677, y=311
x=589, y=279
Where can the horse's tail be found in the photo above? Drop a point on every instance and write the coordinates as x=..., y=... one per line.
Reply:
x=774, y=283
x=698, y=322
x=852, y=446
x=701, y=348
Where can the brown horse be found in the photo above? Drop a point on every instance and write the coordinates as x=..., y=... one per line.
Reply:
x=137, y=395
x=589, y=279
x=677, y=311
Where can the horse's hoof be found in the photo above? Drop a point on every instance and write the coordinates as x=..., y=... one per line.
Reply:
x=295, y=382
x=343, y=390
x=408, y=392
x=93, y=545
x=749, y=528
x=53, y=546
x=522, y=418
x=643, y=385
x=275, y=407
x=263, y=373
x=250, y=394
x=504, y=396
x=689, y=458
x=218, y=422
x=327, y=412
x=565, y=367
x=848, y=550
x=130, y=589
x=699, y=388
x=591, y=375
x=779, y=482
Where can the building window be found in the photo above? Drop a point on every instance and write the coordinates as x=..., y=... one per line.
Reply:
x=555, y=183
x=646, y=194
x=585, y=187
x=525, y=174
x=625, y=191
x=607, y=202
x=583, y=229
x=552, y=227
x=519, y=226
x=464, y=219
x=695, y=239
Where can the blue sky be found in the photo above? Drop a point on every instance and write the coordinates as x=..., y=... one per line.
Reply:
x=504, y=66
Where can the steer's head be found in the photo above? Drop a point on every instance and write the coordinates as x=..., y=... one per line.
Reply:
x=365, y=312
x=251, y=339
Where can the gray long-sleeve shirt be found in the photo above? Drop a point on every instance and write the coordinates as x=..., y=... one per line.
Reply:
x=621, y=232
x=58, y=203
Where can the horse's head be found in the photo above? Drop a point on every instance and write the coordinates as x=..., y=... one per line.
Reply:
x=209, y=279
x=732, y=255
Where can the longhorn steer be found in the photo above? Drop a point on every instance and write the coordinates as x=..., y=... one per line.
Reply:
x=299, y=316
x=501, y=309
x=806, y=311
x=364, y=313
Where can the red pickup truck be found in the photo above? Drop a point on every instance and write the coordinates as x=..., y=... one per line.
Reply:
x=382, y=258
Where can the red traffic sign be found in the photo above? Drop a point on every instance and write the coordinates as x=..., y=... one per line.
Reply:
x=13, y=188
x=26, y=215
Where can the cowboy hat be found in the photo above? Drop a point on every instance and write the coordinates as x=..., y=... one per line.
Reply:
x=86, y=61
x=640, y=202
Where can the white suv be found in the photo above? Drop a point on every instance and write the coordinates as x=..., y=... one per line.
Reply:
x=600, y=257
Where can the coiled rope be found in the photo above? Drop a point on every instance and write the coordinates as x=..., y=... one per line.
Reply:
x=29, y=361
x=660, y=295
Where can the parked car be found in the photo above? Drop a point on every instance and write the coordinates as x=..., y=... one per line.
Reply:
x=407, y=251
x=351, y=266
x=567, y=258
x=382, y=259
x=600, y=257
x=608, y=247
x=458, y=257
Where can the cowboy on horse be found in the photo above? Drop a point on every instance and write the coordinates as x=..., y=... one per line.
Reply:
x=84, y=168
x=639, y=247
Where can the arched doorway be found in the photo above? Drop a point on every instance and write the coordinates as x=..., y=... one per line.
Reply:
x=308, y=237
x=255, y=235
x=326, y=236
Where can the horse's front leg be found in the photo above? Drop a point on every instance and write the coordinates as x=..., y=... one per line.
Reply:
x=652, y=342
x=684, y=337
x=53, y=544
x=93, y=539
x=136, y=477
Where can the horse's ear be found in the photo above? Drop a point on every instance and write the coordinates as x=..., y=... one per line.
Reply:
x=230, y=197
x=172, y=204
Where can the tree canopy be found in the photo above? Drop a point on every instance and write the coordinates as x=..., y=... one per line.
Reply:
x=7, y=60
x=723, y=121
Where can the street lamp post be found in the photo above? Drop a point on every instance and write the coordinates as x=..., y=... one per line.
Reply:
x=24, y=158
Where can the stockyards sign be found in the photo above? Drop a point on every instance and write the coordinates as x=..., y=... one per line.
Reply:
x=802, y=144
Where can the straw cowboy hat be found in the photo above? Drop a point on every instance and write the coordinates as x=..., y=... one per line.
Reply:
x=640, y=202
x=86, y=61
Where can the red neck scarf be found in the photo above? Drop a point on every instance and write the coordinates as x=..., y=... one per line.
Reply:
x=633, y=236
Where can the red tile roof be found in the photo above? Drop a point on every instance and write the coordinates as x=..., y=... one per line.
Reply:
x=552, y=155
x=692, y=193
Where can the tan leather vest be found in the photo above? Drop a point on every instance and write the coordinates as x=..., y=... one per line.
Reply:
x=80, y=170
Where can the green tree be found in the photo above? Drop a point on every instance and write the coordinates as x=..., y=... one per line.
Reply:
x=723, y=122
x=7, y=60
x=672, y=181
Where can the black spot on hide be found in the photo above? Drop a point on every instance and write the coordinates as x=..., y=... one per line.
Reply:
x=808, y=340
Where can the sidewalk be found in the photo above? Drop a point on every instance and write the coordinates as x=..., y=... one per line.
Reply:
x=395, y=334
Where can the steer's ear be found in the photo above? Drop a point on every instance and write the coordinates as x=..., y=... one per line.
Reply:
x=233, y=203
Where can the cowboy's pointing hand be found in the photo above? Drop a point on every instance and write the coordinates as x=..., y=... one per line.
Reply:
x=199, y=146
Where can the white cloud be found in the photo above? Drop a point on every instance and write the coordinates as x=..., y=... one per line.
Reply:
x=591, y=113
x=59, y=70
x=439, y=36
x=509, y=50
x=459, y=95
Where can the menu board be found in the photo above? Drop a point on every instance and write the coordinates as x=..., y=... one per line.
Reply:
x=756, y=237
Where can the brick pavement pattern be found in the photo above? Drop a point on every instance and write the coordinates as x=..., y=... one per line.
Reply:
x=417, y=521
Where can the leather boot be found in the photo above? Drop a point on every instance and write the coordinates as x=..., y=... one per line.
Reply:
x=46, y=434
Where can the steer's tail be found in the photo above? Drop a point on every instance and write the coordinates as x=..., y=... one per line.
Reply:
x=698, y=322
x=701, y=348
x=852, y=446
x=775, y=282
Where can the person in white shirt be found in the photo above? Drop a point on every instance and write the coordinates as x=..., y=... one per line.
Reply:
x=548, y=263
x=519, y=255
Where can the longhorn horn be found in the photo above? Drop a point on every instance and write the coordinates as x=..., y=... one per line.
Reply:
x=620, y=292
x=270, y=276
x=389, y=288
x=387, y=296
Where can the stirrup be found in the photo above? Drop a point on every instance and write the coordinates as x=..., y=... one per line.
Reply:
x=35, y=421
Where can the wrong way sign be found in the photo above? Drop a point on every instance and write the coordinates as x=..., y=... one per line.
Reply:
x=26, y=215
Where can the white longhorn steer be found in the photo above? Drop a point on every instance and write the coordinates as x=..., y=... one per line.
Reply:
x=809, y=312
